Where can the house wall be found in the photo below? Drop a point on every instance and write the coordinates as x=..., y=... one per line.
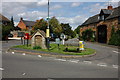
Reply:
x=22, y=25
x=109, y=23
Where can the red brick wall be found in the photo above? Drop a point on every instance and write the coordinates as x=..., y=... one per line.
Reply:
x=22, y=25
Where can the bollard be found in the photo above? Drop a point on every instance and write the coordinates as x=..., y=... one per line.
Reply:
x=81, y=46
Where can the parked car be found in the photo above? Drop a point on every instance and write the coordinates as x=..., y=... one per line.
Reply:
x=10, y=35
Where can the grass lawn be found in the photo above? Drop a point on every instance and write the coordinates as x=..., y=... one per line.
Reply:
x=54, y=48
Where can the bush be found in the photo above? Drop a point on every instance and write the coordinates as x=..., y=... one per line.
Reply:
x=115, y=38
x=36, y=47
x=88, y=35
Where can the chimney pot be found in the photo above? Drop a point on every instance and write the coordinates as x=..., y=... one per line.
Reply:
x=21, y=18
x=110, y=7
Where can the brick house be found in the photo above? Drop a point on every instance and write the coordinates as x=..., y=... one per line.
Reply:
x=25, y=25
x=102, y=23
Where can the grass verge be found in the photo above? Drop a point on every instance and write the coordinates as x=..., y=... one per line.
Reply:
x=54, y=48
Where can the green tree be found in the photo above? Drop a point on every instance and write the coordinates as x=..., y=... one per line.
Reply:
x=55, y=26
x=6, y=30
x=12, y=23
x=40, y=24
x=77, y=30
x=66, y=29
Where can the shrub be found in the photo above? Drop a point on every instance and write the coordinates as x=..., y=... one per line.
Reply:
x=115, y=38
x=88, y=35
x=36, y=47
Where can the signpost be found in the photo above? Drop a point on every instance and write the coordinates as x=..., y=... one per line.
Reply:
x=57, y=40
x=21, y=34
x=62, y=36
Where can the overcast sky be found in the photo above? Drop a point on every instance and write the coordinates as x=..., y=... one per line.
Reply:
x=74, y=13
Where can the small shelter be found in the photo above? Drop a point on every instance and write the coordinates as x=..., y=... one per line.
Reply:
x=38, y=39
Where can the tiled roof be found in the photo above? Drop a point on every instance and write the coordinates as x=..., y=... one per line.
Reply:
x=106, y=11
x=40, y=31
x=3, y=18
x=28, y=23
x=115, y=13
x=91, y=20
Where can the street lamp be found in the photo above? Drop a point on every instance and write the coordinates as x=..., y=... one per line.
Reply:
x=48, y=30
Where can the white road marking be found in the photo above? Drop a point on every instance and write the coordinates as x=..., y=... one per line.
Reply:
x=23, y=54
x=1, y=69
x=115, y=51
x=39, y=56
x=61, y=59
x=13, y=52
x=102, y=64
x=87, y=62
x=75, y=61
x=6, y=52
x=24, y=74
x=115, y=66
x=50, y=79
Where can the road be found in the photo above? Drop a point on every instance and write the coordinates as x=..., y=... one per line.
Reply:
x=17, y=65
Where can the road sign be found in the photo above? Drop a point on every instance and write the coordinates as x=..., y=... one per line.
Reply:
x=57, y=40
x=62, y=36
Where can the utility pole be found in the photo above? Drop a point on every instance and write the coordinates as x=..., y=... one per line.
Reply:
x=48, y=30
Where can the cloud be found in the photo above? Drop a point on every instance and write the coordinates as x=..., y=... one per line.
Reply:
x=95, y=8
x=42, y=3
x=55, y=7
x=75, y=4
x=74, y=21
x=114, y=0
x=35, y=15
x=15, y=23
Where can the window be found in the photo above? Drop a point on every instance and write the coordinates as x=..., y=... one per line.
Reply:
x=102, y=17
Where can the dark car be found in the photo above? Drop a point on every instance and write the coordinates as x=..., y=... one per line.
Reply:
x=10, y=35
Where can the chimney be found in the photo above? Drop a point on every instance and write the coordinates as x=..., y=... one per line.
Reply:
x=21, y=18
x=110, y=7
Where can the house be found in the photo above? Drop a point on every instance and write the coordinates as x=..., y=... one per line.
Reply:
x=4, y=20
x=102, y=23
x=25, y=25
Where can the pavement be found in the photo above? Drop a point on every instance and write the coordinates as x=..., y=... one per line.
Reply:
x=22, y=65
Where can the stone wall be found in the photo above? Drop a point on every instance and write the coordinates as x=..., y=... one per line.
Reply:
x=109, y=23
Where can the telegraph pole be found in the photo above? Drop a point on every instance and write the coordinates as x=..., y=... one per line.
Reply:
x=48, y=30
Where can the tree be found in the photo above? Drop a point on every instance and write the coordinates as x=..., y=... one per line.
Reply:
x=40, y=24
x=66, y=29
x=6, y=30
x=12, y=23
x=55, y=26
x=77, y=30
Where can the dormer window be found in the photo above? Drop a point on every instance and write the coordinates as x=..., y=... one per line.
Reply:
x=102, y=17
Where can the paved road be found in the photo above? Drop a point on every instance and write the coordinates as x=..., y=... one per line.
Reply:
x=104, y=54
x=17, y=65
